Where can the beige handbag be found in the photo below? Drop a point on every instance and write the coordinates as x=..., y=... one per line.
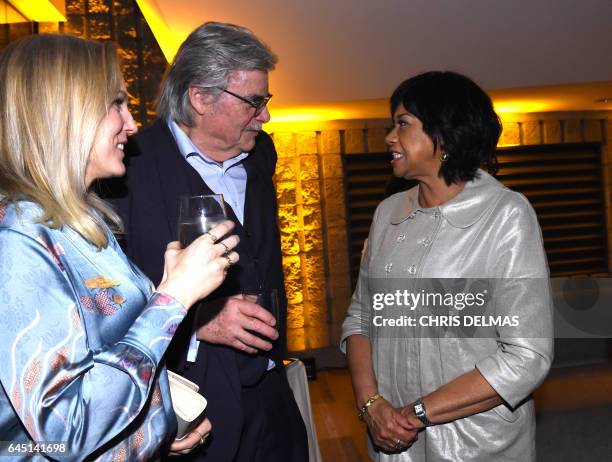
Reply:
x=188, y=404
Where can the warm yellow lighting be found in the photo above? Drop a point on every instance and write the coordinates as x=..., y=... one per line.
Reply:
x=38, y=10
x=167, y=40
x=519, y=107
x=315, y=116
x=307, y=115
x=10, y=15
x=311, y=116
x=289, y=119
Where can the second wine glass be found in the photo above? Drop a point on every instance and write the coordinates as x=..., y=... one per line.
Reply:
x=198, y=215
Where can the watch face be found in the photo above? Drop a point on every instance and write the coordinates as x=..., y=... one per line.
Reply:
x=418, y=409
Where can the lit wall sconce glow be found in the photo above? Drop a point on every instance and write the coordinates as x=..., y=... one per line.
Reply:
x=38, y=10
x=166, y=39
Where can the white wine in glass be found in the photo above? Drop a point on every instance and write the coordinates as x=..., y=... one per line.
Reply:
x=198, y=215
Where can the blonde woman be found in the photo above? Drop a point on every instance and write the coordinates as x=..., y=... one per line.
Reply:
x=83, y=331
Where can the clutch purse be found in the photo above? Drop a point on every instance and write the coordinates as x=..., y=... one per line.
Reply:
x=188, y=404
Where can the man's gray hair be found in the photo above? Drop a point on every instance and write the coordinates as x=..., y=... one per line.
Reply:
x=204, y=60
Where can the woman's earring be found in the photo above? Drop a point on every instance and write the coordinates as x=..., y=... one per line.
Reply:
x=443, y=156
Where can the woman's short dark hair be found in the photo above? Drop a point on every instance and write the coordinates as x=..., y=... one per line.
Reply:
x=458, y=116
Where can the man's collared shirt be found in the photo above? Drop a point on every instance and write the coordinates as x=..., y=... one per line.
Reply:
x=228, y=178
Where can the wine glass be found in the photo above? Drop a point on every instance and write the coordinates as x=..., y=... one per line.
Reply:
x=268, y=299
x=198, y=215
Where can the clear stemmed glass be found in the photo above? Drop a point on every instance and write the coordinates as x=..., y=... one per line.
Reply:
x=198, y=215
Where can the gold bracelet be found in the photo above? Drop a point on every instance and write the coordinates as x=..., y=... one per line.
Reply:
x=367, y=404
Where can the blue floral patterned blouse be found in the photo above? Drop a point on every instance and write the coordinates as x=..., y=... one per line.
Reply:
x=82, y=337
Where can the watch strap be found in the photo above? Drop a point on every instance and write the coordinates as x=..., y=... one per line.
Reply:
x=421, y=413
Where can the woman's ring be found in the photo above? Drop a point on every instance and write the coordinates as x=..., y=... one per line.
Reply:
x=398, y=445
x=227, y=249
x=202, y=437
x=229, y=260
x=212, y=236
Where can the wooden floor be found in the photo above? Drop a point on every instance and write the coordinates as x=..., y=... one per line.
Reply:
x=341, y=434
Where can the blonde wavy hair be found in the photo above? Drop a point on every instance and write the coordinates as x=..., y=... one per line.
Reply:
x=54, y=92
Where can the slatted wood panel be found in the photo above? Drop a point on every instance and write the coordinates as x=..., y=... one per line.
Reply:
x=367, y=176
x=369, y=181
x=562, y=182
x=564, y=185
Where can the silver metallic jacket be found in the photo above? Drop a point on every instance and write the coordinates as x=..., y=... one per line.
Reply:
x=486, y=231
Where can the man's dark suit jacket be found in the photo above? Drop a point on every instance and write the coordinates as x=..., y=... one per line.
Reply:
x=147, y=201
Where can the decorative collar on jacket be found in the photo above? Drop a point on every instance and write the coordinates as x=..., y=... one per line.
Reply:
x=463, y=210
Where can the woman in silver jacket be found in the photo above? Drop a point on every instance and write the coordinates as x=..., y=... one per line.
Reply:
x=449, y=381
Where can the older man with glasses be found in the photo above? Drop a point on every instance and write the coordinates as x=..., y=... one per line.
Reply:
x=208, y=139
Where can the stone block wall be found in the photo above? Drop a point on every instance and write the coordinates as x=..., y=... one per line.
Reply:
x=312, y=217
x=142, y=61
x=310, y=190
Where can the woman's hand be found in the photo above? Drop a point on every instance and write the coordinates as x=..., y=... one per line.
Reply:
x=389, y=429
x=385, y=423
x=194, y=438
x=465, y=395
x=194, y=272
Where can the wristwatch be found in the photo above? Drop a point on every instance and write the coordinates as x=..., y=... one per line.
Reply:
x=419, y=411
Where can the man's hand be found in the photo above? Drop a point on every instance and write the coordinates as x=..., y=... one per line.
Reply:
x=236, y=321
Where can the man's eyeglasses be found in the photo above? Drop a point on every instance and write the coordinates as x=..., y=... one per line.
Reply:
x=257, y=102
